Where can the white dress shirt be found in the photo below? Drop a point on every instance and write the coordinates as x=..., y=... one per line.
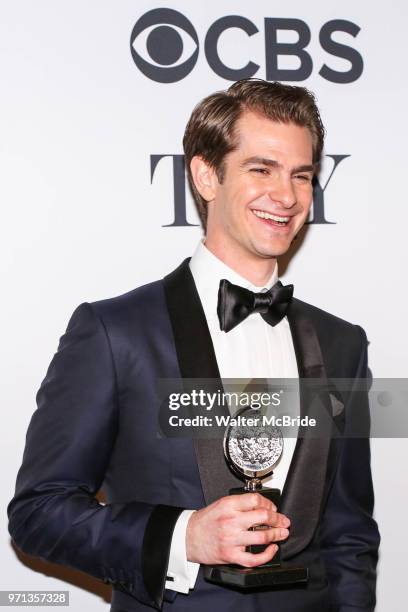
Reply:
x=253, y=349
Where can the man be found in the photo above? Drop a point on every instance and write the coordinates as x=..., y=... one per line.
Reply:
x=251, y=154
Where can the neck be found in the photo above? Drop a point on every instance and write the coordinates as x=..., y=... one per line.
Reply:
x=256, y=270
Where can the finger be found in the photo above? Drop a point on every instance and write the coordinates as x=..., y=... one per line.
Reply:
x=263, y=536
x=244, y=538
x=262, y=516
x=253, y=560
x=252, y=501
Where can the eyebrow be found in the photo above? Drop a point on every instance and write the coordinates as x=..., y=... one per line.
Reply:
x=265, y=161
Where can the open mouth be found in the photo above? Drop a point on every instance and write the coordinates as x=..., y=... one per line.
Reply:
x=271, y=219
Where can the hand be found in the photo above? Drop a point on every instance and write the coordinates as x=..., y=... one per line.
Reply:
x=219, y=533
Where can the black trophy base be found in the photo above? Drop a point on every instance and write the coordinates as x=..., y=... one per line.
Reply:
x=252, y=578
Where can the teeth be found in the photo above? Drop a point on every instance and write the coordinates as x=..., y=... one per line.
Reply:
x=265, y=215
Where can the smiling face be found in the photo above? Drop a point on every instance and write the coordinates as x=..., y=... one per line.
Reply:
x=264, y=197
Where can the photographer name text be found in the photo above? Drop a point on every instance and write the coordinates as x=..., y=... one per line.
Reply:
x=242, y=421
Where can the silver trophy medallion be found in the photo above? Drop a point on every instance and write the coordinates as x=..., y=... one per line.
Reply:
x=252, y=450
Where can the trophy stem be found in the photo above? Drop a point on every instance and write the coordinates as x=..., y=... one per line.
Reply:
x=255, y=484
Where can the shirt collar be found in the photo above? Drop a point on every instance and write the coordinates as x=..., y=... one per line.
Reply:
x=208, y=270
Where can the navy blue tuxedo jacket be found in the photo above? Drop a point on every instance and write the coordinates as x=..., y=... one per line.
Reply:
x=96, y=427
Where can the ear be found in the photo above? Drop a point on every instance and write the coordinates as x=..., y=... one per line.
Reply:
x=204, y=177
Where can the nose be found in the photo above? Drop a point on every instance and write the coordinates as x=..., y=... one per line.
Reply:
x=282, y=191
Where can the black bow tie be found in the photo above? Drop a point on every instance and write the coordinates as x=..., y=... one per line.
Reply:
x=236, y=303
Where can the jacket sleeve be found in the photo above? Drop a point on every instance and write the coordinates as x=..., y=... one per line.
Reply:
x=349, y=534
x=54, y=513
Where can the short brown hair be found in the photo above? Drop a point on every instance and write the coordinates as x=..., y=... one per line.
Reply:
x=210, y=130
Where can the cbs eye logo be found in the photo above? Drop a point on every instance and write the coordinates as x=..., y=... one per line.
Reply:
x=166, y=38
x=164, y=46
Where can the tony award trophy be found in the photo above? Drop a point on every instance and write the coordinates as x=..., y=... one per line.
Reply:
x=252, y=450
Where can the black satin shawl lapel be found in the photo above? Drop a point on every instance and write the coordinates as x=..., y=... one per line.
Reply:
x=304, y=488
x=194, y=347
x=196, y=357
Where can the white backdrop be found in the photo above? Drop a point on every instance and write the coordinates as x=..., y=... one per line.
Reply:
x=82, y=220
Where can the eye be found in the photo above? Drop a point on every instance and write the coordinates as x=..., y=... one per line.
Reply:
x=303, y=178
x=164, y=45
x=260, y=170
